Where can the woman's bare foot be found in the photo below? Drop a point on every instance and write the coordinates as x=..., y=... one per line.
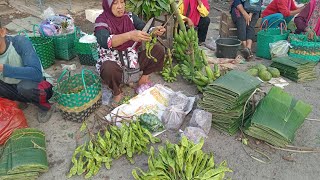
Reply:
x=143, y=80
x=117, y=98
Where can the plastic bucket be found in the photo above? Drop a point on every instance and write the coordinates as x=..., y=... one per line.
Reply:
x=227, y=47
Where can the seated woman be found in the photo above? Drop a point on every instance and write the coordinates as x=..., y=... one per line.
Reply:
x=116, y=31
x=245, y=22
x=308, y=20
x=279, y=10
x=195, y=13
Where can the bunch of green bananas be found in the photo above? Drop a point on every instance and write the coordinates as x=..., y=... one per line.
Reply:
x=182, y=161
x=128, y=140
x=149, y=47
x=169, y=72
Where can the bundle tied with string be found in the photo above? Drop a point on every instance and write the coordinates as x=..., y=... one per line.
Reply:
x=79, y=95
x=24, y=155
x=227, y=99
x=270, y=35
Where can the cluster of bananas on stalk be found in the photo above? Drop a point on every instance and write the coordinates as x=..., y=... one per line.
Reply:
x=206, y=76
x=169, y=72
x=183, y=161
x=193, y=61
x=111, y=144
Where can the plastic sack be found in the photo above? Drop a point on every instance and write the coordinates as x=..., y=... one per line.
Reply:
x=279, y=48
x=47, y=29
x=88, y=39
x=173, y=118
x=47, y=13
x=194, y=134
x=11, y=118
x=151, y=122
x=179, y=106
x=201, y=119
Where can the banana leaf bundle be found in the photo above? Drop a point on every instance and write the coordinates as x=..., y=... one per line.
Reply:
x=277, y=118
x=297, y=70
x=226, y=97
x=24, y=155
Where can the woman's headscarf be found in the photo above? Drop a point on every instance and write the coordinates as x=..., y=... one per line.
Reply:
x=313, y=17
x=194, y=14
x=115, y=25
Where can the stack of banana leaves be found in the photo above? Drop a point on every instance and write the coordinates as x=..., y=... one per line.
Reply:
x=297, y=70
x=24, y=155
x=277, y=118
x=226, y=97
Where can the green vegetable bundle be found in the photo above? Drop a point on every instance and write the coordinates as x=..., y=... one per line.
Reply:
x=112, y=144
x=148, y=8
x=182, y=161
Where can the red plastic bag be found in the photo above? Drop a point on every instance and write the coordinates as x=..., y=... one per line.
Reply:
x=11, y=118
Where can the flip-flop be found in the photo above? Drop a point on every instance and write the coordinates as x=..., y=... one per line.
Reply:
x=143, y=87
x=245, y=52
x=250, y=55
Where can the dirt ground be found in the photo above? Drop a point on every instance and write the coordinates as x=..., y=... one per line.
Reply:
x=61, y=135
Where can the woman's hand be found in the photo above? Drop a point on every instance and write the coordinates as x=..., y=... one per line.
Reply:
x=139, y=36
x=159, y=30
x=247, y=18
x=310, y=35
x=190, y=23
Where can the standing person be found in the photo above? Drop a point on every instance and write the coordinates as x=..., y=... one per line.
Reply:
x=245, y=21
x=21, y=76
x=195, y=13
x=279, y=10
x=116, y=31
x=308, y=20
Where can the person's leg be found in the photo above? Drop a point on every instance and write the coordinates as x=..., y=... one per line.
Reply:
x=203, y=26
x=250, y=31
x=111, y=74
x=38, y=94
x=148, y=66
x=273, y=20
x=9, y=91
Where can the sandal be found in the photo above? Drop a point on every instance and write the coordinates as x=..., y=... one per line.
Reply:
x=143, y=87
x=245, y=52
x=250, y=57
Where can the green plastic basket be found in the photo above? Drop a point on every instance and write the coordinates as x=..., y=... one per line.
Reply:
x=64, y=46
x=87, y=52
x=270, y=35
x=65, y=54
x=77, y=90
x=44, y=47
x=303, y=48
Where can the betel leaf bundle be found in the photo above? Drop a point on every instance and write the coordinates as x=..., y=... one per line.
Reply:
x=277, y=118
x=226, y=97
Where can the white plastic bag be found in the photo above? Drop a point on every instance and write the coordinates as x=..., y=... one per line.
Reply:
x=47, y=13
x=201, y=119
x=279, y=48
x=173, y=118
x=194, y=134
x=88, y=39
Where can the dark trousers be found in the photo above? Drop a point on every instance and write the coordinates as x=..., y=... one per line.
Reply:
x=29, y=92
x=202, y=27
x=111, y=72
x=244, y=31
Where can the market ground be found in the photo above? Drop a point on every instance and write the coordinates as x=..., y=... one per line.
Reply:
x=61, y=135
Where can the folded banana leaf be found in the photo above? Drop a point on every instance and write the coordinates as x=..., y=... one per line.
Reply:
x=277, y=118
x=24, y=156
x=295, y=69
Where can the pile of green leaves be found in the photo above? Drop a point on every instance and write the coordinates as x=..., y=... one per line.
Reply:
x=182, y=161
x=114, y=142
x=148, y=8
